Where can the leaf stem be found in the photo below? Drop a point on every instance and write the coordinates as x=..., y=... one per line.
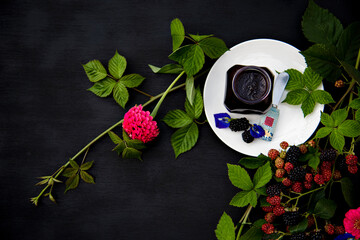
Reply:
x=154, y=112
x=243, y=221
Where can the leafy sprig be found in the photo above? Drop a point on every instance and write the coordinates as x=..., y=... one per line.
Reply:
x=115, y=82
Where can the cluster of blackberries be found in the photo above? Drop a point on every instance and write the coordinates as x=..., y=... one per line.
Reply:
x=241, y=124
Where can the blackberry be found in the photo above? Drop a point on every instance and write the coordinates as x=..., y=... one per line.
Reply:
x=246, y=136
x=293, y=154
x=328, y=155
x=316, y=236
x=297, y=174
x=239, y=124
x=291, y=218
x=273, y=190
x=341, y=163
x=298, y=236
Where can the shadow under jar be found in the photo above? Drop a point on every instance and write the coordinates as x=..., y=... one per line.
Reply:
x=248, y=89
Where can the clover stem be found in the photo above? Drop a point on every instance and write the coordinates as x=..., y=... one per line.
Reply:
x=243, y=220
x=156, y=108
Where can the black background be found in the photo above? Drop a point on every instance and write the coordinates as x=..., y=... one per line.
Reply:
x=47, y=115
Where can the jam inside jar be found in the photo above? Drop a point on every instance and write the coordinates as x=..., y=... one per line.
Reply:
x=248, y=89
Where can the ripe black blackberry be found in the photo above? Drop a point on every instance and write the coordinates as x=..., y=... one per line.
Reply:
x=328, y=155
x=293, y=154
x=316, y=236
x=297, y=174
x=298, y=236
x=239, y=124
x=341, y=163
x=273, y=190
x=246, y=136
x=291, y=218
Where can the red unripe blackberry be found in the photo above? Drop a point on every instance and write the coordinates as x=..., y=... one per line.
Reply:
x=311, y=221
x=329, y=229
x=326, y=165
x=308, y=177
x=337, y=175
x=339, y=84
x=307, y=185
x=303, y=148
x=280, y=173
x=351, y=159
x=284, y=145
x=270, y=217
x=311, y=143
x=319, y=179
x=273, y=153
x=352, y=169
x=326, y=173
x=267, y=208
x=268, y=228
x=288, y=167
x=286, y=182
x=279, y=162
x=339, y=230
x=297, y=187
x=278, y=210
x=275, y=200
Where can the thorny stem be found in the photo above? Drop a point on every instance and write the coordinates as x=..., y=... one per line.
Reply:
x=57, y=173
x=243, y=220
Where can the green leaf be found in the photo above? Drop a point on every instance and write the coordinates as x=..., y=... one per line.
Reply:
x=198, y=103
x=184, y=138
x=190, y=89
x=168, y=69
x=325, y=208
x=357, y=115
x=339, y=116
x=225, y=230
x=349, y=128
x=213, y=47
x=322, y=97
x=262, y=176
x=190, y=110
x=261, y=191
x=114, y=137
x=86, y=177
x=296, y=97
x=320, y=26
x=308, y=106
x=314, y=198
x=120, y=148
x=300, y=227
x=120, y=94
x=125, y=136
x=252, y=162
x=72, y=182
x=254, y=233
x=198, y=38
x=132, y=80
x=117, y=65
x=131, y=153
x=349, y=43
x=314, y=160
x=74, y=164
x=352, y=71
x=69, y=172
x=312, y=79
x=296, y=80
x=86, y=166
x=323, y=61
x=327, y=120
x=191, y=57
x=177, y=33
x=103, y=88
x=177, y=119
x=323, y=132
x=94, y=70
x=347, y=189
x=337, y=140
x=244, y=198
x=355, y=103
x=137, y=144
x=239, y=177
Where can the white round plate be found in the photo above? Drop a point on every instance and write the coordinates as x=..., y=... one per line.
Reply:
x=277, y=56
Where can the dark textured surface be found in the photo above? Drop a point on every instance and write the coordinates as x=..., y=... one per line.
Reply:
x=47, y=115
